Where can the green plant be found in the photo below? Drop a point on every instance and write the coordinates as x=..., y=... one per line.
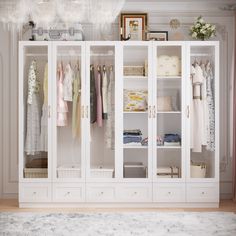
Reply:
x=202, y=30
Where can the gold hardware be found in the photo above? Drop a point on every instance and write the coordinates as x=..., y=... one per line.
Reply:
x=49, y=111
x=150, y=112
x=187, y=111
x=86, y=111
x=154, y=111
x=82, y=111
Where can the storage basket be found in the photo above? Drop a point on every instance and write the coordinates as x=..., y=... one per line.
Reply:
x=135, y=170
x=69, y=171
x=101, y=172
x=134, y=70
x=198, y=170
x=35, y=172
x=168, y=172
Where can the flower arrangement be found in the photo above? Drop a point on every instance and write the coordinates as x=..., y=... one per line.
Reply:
x=202, y=30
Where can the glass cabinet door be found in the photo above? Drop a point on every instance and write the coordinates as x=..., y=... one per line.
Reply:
x=168, y=111
x=100, y=112
x=35, y=145
x=136, y=110
x=203, y=120
x=67, y=109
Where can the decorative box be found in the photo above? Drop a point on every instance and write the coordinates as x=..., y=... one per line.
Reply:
x=168, y=66
x=134, y=71
x=198, y=170
x=135, y=170
x=35, y=172
x=168, y=172
x=69, y=171
x=101, y=172
x=59, y=32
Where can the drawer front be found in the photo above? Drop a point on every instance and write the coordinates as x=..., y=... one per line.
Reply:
x=202, y=192
x=135, y=193
x=169, y=192
x=100, y=193
x=34, y=192
x=68, y=193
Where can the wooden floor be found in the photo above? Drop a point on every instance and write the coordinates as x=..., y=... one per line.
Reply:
x=10, y=205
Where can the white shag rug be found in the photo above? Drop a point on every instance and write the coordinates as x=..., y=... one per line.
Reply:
x=119, y=224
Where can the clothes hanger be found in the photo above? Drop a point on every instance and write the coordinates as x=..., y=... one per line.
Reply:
x=104, y=68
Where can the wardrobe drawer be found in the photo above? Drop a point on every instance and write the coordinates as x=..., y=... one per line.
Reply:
x=100, y=193
x=134, y=193
x=169, y=192
x=68, y=192
x=34, y=192
x=202, y=192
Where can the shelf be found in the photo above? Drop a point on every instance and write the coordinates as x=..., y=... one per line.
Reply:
x=135, y=112
x=136, y=77
x=169, y=112
x=135, y=147
x=168, y=78
x=168, y=147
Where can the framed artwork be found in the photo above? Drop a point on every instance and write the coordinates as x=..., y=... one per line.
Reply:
x=133, y=26
x=157, y=35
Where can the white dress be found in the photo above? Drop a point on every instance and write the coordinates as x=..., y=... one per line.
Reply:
x=197, y=110
x=32, y=141
x=67, y=83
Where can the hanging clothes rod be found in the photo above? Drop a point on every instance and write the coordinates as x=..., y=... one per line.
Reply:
x=201, y=55
x=66, y=55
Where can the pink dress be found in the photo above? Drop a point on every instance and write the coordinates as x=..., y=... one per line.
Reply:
x=62, y=108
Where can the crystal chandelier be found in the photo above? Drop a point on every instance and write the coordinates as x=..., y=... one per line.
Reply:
x=98, y=12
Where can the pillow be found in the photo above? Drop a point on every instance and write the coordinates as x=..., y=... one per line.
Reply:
x=135, y=100
x=164, y=103
x=168, y=65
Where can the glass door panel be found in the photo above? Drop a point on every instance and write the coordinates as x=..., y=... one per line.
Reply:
x=168, y=111
x=202, y=112
x=68, y=122
x=35, y=100
x=102, y=111
x=136, y=111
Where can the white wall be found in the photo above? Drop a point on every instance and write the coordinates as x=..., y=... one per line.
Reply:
x=160, y=15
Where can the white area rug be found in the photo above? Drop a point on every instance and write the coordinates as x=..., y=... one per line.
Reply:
x=120, y=224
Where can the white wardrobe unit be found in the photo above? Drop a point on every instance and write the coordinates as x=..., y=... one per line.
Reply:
x=75, y=149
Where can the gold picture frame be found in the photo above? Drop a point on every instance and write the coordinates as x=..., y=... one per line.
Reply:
x=133, y=26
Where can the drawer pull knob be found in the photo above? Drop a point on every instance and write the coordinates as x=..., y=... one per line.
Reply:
x=34, y=193
x=203, y=192
x=135, y=193
x=101, y=193
x=68, y=193
x=169, y=192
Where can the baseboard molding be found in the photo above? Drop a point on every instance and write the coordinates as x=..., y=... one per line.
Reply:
x=119, y=205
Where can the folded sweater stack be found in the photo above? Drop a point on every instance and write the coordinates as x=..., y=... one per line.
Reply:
x=132, y=137
x=172, y=140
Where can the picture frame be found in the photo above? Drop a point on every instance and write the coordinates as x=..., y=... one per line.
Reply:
x=157, y=35
x=133, y=26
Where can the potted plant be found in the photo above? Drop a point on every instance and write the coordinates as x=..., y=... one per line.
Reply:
x=202, y=30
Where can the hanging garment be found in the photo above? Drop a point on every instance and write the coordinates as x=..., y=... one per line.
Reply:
x=32, y=142
x=104, y=93
x=67, y=83
x=110, y=123
x=205, y=107
x=93, y=99
x=211, y=107
x=76, y=105
x=62, y=108
x=99, y=97
x=197, y=111
x=44, y=118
